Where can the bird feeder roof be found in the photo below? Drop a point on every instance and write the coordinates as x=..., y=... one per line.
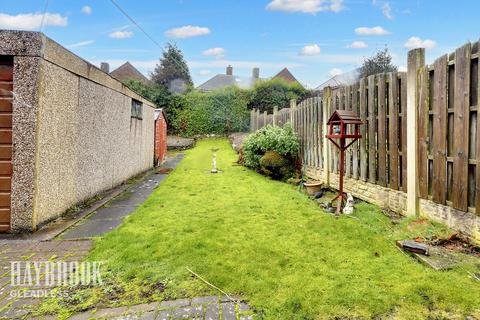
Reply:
x=344, y=116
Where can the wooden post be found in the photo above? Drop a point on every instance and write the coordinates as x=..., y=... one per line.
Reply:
x=327, y=109
x=275, y=116
x=293, y=107
x=258, y=120
x=416, y=61
x=253, y=121
x=265, y=118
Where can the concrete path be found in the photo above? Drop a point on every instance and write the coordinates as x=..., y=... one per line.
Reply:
x=112, y=213
x=201, y=308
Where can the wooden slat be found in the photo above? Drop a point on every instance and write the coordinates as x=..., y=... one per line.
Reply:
x=348, y=153
x=439, y=143
x=355, y=144
x=381, y=132
x=6, y=89
x=461, y=127
x=5, y=183
x=5, y=168
x=5, y=120
x=363, y=131
x=403, y=105
x=393, y=130
x=5, y=152
x=4, y=215
x=477, y=168
x=5, y=199
x=422, y=129
x=5, y=105
x=372, y=130
x=6, y=72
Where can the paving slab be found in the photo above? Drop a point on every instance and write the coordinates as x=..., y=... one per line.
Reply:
x=110, y=215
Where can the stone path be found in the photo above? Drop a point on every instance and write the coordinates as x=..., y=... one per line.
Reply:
x=111, y=214
x=202, y=308
x=12, y=305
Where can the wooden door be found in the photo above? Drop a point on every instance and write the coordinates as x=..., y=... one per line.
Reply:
x=6, y=88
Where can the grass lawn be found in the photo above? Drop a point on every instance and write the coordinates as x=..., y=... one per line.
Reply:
x=270, y=244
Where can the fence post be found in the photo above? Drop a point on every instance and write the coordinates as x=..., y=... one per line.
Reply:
x=275, y=116
x=416, y=60
x=257, y=126
x=265, y=118
x=327, y=107
x=293, y=107
x=253, y=121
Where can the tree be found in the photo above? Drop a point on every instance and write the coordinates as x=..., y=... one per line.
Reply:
x=172, y=71
x=379, y=63
x=267, y=94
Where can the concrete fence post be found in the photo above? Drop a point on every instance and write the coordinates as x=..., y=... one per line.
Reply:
x=293, y=107
x=327, y=107
x=253, y=121
x=416, y=61
x=275, y=116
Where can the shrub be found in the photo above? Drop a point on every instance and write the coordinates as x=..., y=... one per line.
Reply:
x=282, y=141
x=276, y=166
x=267, y=94
x=219, y=112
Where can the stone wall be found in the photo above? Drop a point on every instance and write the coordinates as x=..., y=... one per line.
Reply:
x=466, y=222
x=73, y=132
x=372, y=193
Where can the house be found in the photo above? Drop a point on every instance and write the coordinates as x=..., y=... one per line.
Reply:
x=125, y=72
x=160, y=136
x=68, y=131
x=286, y=75
x=228, y=79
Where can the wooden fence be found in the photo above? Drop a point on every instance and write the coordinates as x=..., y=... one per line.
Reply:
x=441, y=101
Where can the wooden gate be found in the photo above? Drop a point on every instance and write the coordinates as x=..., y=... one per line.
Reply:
x=6, y=88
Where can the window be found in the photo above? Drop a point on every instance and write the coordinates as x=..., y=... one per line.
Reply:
x=137, y=109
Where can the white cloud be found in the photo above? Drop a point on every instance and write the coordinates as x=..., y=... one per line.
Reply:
x=374, y=31
x=387, y=11
x=204, y=72
x=187, y=32
x=80, y=44
x=310, y=50
x=357, y=45
x=31, y=21
x=306, y=6
x=215, y=52
x=416, y=42
x=402, y=69
x=87, y=10
x=121, y=34
x=335, y=72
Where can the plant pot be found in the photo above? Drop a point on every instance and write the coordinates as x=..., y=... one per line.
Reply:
x=313, y=187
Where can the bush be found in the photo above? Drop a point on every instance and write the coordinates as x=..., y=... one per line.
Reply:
x=267, y=94
x=276, y=166
x=218, y=112
x=258, y=148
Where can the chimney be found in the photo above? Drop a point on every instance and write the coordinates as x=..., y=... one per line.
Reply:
x=256, y=73
x=105, y=67
x=229, y=71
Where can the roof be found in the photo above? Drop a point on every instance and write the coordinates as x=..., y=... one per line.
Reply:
x=286, y=75
x=221, y=81
x=343, y=79
x=127, y=72
x=157, y=113
x=346, y=116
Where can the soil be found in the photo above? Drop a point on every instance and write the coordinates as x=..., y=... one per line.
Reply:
x=458, y=243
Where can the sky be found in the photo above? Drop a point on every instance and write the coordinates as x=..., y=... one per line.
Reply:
x=315, y=39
